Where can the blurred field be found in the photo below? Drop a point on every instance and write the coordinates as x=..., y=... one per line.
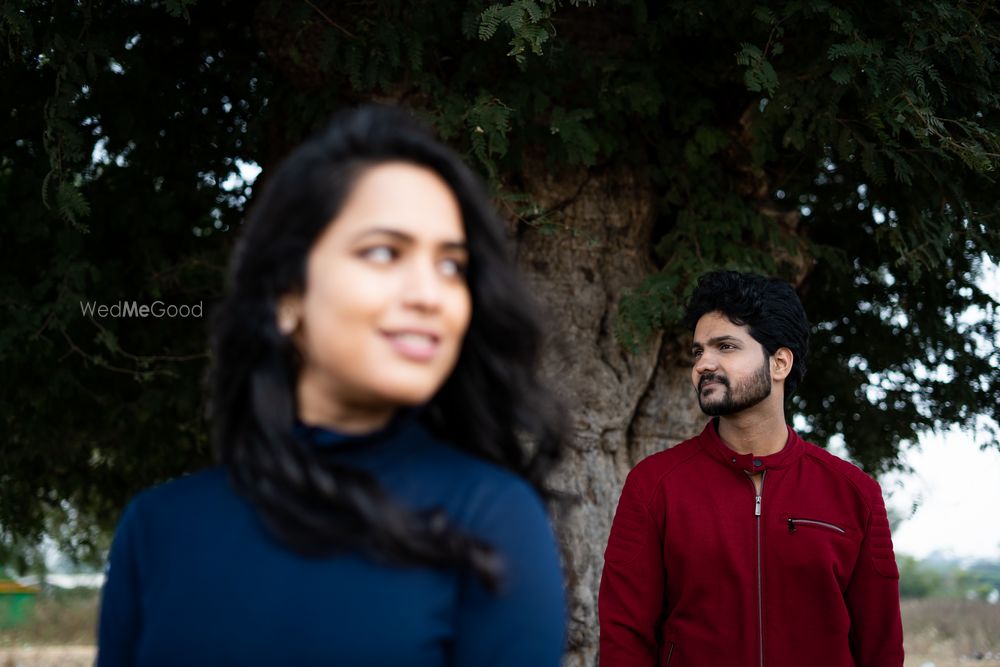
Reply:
x=61, y=634
x=949, y=633
x=61, y=618
x=48, y=656
x=939, y=633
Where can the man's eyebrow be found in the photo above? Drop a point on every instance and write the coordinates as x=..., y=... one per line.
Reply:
x=718, y=340
x=723, y=339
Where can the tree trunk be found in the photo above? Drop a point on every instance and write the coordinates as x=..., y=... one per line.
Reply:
x=591, y=249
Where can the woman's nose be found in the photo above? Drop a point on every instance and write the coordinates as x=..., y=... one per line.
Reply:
x=422, y=285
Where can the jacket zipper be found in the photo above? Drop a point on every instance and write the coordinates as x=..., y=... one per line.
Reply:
x=760, y=585
x=670, y=654
x=792, y=522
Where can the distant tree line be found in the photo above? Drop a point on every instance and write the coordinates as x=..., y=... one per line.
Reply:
x=944, y=578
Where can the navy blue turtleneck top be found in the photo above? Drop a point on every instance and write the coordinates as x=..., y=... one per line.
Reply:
x=194, y=578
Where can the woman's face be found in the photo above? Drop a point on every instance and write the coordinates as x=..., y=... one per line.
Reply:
x=386, y=304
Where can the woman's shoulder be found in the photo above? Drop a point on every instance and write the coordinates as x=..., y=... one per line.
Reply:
x=160, y=523
x=193, y=484
x=482, y=492
x=194, y=493
x=461, y=465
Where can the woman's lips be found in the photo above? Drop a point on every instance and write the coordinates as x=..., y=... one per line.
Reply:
x=414, y=345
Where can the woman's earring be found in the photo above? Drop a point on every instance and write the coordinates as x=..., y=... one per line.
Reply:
x=288, y=321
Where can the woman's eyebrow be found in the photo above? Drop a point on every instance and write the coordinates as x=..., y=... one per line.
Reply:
x=457, y=244
x=384, y=231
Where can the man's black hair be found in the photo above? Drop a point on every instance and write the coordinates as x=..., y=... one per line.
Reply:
x=770, y=308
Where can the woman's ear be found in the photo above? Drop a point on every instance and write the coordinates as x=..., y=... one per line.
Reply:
x=781, y=363
x=289, y=313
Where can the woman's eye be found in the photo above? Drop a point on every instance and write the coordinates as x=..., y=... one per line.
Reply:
x=381, y=254
x=452, y=267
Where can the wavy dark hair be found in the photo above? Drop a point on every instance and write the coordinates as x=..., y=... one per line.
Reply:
x=769, y=308
x=493, y=405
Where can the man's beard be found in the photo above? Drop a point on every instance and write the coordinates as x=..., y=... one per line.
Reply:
x=746, y=395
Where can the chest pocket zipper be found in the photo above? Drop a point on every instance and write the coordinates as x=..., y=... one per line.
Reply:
x=670, y=654
x=793, y=525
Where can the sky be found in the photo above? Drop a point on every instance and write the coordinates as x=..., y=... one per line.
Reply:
x=950, y=501
x=951, y=498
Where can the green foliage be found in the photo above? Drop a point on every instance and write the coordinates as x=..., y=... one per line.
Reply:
x=488, y=122
x=649, y=309
x=529, y=22
x=94, y=409
x=937, y=578
x=760, y=75
x=179, y=8
x=985, y=577
x=915, y=580
x=71, y=205
x=579, y=143
x=851, y=149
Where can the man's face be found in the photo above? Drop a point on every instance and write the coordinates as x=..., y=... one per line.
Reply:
x=731, y=371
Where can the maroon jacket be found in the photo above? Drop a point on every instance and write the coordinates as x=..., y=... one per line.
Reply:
x=700, y=571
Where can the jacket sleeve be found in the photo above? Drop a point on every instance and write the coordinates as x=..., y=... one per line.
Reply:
x=872, y=595
x=524, y=623
x=118, y=623
x=631, y=596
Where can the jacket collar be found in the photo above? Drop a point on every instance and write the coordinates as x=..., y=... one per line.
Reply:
x=713, y=444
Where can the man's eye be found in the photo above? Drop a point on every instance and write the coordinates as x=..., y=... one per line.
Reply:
x=381, y=254
x=696, y=353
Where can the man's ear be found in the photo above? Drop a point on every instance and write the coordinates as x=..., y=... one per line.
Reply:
x=289, y=313
x=781, y=363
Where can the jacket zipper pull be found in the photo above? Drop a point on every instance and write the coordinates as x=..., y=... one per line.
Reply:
x=791, y=525
x=756, y=507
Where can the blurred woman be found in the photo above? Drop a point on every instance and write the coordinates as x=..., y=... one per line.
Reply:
x=381, y=430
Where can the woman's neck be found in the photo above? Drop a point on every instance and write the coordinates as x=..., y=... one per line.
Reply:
x=344, y=418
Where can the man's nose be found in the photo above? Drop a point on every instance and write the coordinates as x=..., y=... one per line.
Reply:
x=705, y=363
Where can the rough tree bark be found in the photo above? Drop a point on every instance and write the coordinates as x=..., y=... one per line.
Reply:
x=593, y=247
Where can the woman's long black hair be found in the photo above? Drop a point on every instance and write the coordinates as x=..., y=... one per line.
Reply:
x=493, y=405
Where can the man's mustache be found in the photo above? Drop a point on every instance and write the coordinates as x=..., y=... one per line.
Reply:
x=713, y=377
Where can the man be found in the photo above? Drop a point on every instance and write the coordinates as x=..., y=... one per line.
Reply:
x=747, y=546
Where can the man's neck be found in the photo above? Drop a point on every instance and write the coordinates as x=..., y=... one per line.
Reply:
x=759, y=432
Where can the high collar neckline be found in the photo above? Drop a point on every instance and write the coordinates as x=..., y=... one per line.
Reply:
x=750, y=463
x=327, y=438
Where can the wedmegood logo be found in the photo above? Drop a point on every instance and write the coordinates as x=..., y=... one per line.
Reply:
x=135, y=309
